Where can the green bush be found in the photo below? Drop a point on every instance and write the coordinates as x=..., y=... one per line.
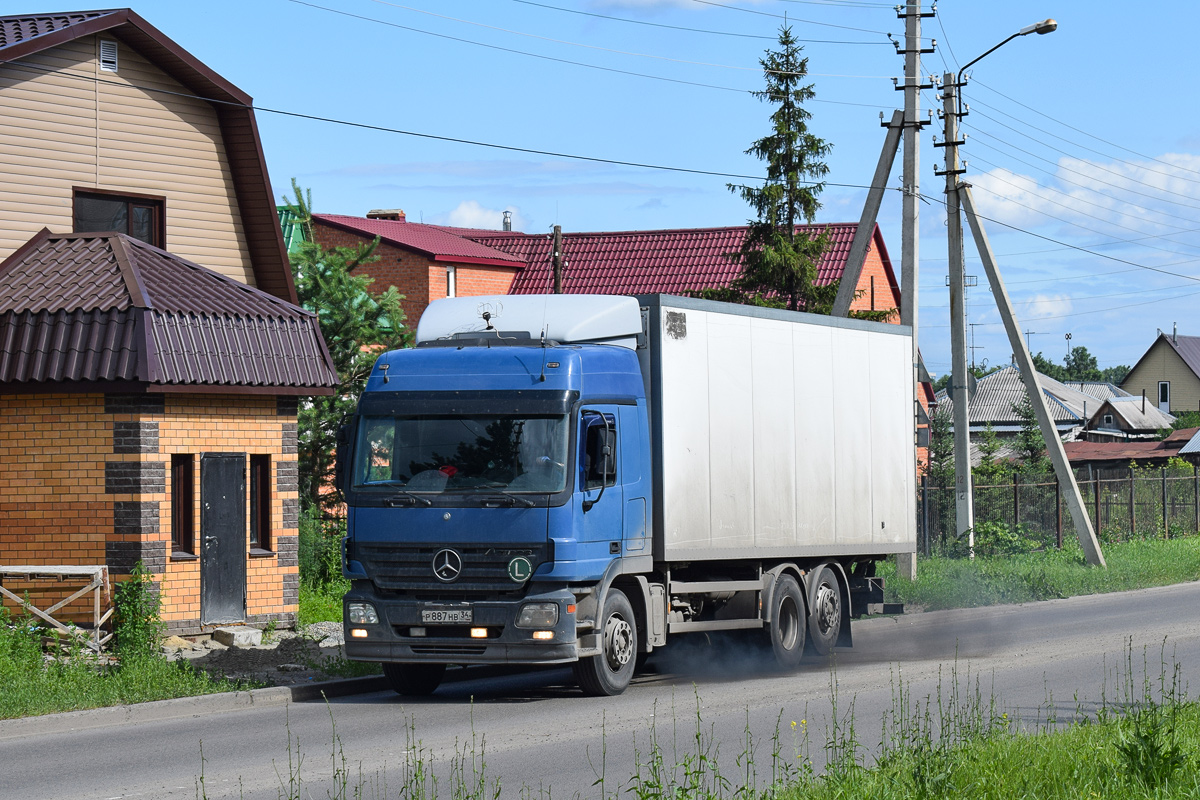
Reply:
x=136, y=623
x=320, y=548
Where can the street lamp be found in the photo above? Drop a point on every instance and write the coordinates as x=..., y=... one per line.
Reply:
x=960, y=379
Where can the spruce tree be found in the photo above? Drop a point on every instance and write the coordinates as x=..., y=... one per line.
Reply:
x=776, y=261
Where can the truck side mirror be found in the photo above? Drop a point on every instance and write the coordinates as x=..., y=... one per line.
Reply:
x=339, y=461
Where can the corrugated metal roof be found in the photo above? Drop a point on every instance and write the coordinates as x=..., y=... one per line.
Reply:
x=1100, y=390
x=1118, y=451
x=1193, y=444
x=1188, y=348
x=133, y=312
x=429, y=239
x=998, y=392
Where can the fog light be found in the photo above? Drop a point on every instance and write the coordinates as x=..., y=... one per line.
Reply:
x=416, y=631
x=543, y=634
x=358, y=633
x=538, y=615
x=362, y=614
x=478, y=633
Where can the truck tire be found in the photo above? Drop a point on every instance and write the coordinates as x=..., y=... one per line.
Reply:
x=610, y=672
x=413, y=680
x=786, y=629
x=825, y=616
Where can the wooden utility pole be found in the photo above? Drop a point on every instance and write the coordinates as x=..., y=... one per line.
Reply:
x=557, y=259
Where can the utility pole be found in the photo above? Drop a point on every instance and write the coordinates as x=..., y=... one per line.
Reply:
x=557, y=259
x=910, y=180
x=964, y=508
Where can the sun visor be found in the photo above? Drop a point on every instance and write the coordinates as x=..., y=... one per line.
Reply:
x=563, y=318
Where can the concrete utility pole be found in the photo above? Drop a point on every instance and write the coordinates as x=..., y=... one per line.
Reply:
x=960, y=378
x=1037, y=398
x=957, y=192
x=557, y=259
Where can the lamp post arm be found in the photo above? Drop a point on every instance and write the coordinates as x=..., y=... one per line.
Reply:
x=963, y=70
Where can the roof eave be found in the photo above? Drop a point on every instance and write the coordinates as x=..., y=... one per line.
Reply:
x=484, y=262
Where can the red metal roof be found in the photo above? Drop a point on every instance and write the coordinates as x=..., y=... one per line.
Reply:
x=1118, y=451
x=667, y=261
x=105, y=307
x=432, y=240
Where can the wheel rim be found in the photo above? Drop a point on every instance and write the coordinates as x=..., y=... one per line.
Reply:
x=789, y=623
x=618, y=642
x=828, y=614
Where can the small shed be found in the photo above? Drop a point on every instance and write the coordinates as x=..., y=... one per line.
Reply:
x=148, y=413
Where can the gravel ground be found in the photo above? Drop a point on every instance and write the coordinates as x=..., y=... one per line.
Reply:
x=284, y=658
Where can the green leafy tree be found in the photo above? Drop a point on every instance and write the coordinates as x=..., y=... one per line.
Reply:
x=1079, y=365
x=991, y=469
x=357, y=325
x=779, y=266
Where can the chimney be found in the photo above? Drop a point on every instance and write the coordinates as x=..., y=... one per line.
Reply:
x=396, y=214
x=1174, y=333
x=507, y=225
x=1143, y=401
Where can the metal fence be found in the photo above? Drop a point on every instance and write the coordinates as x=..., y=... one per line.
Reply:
x=1123, y=504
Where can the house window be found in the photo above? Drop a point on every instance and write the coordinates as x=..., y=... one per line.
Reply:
x=260, y=502
x=138, y=216
x=451, y=281
x=183, y=512
x=1164, y=396
x=1108, y=419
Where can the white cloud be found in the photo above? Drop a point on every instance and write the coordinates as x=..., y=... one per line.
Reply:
x=1042, y=306
x=470, y=214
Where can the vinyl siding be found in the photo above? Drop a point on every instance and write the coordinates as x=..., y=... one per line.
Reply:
x=1162, y=363
x=63, y=131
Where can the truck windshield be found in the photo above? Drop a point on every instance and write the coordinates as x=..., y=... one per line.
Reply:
x=462, y=453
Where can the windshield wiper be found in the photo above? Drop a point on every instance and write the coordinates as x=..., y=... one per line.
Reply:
x=492, y=501
x=410, y=497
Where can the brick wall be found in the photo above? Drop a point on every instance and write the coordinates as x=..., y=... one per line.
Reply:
x=86, y=479
x=882, y=296
x=419, y=278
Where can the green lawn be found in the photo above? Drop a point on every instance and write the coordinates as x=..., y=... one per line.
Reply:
x=961, y=583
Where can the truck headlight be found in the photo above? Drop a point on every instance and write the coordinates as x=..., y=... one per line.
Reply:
x=538, y=615
x=362, y=614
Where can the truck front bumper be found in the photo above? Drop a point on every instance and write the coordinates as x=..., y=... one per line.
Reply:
x=402, y=636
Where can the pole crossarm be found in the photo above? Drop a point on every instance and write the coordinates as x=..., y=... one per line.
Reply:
x=866, y=224
x=1037, y=398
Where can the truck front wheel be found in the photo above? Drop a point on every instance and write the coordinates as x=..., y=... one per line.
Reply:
x=413, y=679
x=610, y=672
x=787, y=623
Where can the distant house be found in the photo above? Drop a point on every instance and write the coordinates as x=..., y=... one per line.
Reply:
x=1168, y=373
x=151, y=352
x=426, y=262
x=1107, y=456
x=1126, y=418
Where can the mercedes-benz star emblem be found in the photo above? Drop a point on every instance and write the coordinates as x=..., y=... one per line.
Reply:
x=447, y=565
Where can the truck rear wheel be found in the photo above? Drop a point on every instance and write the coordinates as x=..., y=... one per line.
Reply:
x=786, y=629
x=825, y=619
x=610, y=672
x=413, y=679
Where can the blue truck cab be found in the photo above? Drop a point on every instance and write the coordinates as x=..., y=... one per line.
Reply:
x=495, y=478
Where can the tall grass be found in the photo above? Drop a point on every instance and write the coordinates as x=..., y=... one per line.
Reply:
x=963, y=583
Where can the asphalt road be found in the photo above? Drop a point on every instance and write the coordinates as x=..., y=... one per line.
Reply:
x=1036, y=662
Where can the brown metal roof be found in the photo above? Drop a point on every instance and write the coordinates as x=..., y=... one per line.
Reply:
x=26, y=34
x=78, y=308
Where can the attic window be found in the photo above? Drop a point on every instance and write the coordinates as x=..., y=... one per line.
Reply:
x=1108, y=419
x=139, y=216
x=108, y=55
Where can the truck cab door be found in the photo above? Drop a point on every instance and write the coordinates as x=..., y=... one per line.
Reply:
x=601, y=495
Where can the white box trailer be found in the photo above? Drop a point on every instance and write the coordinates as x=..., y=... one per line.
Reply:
x=777, y=434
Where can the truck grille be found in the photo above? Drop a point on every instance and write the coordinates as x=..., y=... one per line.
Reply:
x=409, y=568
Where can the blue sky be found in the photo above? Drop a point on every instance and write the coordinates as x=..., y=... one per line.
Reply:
x=1084, y=145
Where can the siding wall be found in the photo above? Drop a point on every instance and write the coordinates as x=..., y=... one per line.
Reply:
x=1162, y=363
x=62, y=131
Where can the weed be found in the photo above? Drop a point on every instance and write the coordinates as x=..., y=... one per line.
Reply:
x=136, y=623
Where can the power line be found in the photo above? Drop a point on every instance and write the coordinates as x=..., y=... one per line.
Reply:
x=1074, y=171
x=593, y=46
x=418, y=134
x=684, y=28
x=1080, y=130
x=789, y=19
x=1091, y=296
x=1079, y=313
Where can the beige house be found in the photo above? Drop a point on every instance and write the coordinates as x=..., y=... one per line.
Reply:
x=151, y=351
x=1168, y=373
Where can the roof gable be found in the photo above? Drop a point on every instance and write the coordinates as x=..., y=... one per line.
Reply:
x=431, y=240
x=24, y=35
